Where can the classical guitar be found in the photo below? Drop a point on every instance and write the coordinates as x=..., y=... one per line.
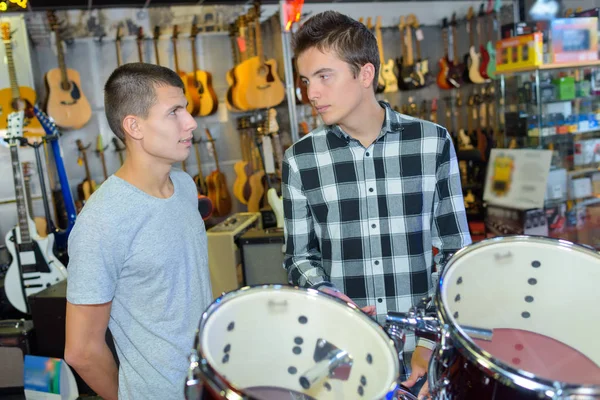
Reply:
x=485, y=56
x=491, y=44
x=217, y=183
x=472, y=58
x=66, y=102
x=455, y=73
x=33, y=267
x=88, y=185
x=52, y=136
x=386, y=69
x=200, y=82
x=205, y=205
x=444, y=62
x=193, y=102
x=258, y=82
x=17, y=98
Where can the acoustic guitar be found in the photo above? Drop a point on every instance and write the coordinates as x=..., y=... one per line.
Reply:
x=200, y=82
x=17, y=98
x=88, y=185
x=243, y=168
x=193, y=104
x=66, y=102
x=444, y=62
x=258, y=83
x=217, y=183
x=236, y=55
x=386, y=69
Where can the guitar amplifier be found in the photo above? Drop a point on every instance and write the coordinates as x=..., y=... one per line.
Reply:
x=224, y=259
x=16, y=340
x=262, y=257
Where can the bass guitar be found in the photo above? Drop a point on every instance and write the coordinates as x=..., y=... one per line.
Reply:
x=34, y=266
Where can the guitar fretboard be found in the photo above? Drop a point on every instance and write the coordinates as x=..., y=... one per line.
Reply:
x=61, y=62
x=12, y=73
x=20, y=195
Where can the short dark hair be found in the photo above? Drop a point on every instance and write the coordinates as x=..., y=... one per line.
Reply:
x=353, y=42
x=130, y=90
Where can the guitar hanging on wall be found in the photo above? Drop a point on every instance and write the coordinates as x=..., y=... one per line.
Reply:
x=200, y=82
x=16, y=98
x=66, y=102
x=34, y=266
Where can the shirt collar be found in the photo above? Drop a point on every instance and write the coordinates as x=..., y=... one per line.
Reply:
x=391, y=124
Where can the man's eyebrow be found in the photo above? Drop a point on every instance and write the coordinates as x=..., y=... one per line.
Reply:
x=319, y=71
x=175, y=107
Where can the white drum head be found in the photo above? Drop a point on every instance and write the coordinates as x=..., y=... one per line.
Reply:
x=263, y=339
x=538, y=296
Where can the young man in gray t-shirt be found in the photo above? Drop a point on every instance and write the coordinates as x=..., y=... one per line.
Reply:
x=138, y=256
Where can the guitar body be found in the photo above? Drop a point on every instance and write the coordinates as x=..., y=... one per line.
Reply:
x=442, y=77
x=257, y=191
x=485, y=59
x=261, y=87
x=193, y=101
x=455, y=73
x=218, y=193
x=473, y=66
x=38, y=268
x=300, y=89
x=85, y=189
x=389, y=77
x=276, y=203
x=203, y=92
x=205, y=207
x=68, y=107
x=27, y=99
x=232, y=82
x=241, y=185
x=425, y=73
x=211, y=187
x=491, y=67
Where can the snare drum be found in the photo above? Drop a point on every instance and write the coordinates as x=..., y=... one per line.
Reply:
x=275, y=341
x=517, y=319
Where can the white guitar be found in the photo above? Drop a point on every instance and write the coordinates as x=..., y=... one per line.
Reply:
x=34, y=266
x=275, y=201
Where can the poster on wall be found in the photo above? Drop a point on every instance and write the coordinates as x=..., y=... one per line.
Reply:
x=516, y=178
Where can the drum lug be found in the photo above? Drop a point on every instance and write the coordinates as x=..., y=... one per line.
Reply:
x=192, y=383
x=417, y=320
x=444, y=348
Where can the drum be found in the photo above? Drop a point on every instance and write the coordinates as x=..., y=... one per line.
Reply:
x=516, y=318
x=275, y=341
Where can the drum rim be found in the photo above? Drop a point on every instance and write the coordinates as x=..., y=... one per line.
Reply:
x=217, y=379
x=507, y=374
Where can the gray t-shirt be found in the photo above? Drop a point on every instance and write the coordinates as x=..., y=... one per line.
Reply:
x=149, y=257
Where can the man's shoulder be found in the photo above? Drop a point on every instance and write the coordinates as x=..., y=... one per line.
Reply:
x=308, y=143
x=417, y=128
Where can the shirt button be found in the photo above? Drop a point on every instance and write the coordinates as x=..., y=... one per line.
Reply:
x=367, y=154
x=373, y=226
x=371, y=190
x=376, y=262
x=380, y=300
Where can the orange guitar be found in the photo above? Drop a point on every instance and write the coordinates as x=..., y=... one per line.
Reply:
x=205, y=205
x=66, y=103
x=444, y=63
x=17, y=97
x=88, y=185
x=217, y=184
x=200, y=82
x=193, y=105
x=258, y=82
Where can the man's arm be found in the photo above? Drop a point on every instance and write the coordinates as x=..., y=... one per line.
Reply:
x=86, y=349
x=302, y=256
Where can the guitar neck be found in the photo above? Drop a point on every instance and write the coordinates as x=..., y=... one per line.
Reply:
x=454, y=46
x=88, y=176
x=380, y=46
x=201, y=181
x=62, y=65
x=29, y=200
x=471, y=33
x=176, y=59
x=278, y=152
x=409, y=50
x=194, y=54
x=22, y=214
x=103, y=162
x=119, y=57
x=259, y=46
x=417, y=46
x=12, y=73
x=140, y=51
x=155, y=40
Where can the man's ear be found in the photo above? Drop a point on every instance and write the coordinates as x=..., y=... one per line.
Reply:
x=366, y=75
x=131, y=126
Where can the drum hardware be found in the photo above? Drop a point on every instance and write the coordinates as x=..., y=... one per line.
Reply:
x=331, y=362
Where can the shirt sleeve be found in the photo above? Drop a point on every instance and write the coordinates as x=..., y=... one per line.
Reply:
x=93, y=261
x=450, y=230
x=302, y=257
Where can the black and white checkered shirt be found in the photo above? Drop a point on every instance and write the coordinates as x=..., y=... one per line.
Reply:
x=364, y=220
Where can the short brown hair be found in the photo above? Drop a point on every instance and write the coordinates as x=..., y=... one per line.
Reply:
x=351, y=40
x=130, y=90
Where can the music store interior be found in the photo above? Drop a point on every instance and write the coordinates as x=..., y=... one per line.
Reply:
x=515, y=83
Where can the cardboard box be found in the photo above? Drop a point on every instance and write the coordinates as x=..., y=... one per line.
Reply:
x=519, y=52
x=574, y=40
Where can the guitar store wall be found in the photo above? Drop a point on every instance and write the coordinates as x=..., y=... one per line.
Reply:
x=95, y=59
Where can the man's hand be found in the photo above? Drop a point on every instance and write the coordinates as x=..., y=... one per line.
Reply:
x=419, y=364
x=369, y=310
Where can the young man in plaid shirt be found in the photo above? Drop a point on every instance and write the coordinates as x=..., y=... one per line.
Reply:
x=371, y=192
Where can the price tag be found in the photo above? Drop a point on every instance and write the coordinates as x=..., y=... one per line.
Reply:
x=419, y=34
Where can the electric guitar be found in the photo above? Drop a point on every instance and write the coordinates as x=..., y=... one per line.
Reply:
x=17, y=98
x=422, y=65
x=485, y=56
x=66, y=103
x=455, y=72
x=444, y=62
x=472, y=59
x=88, y=185
x=386, y=70
x=34, y=266
x=100, y=151
x=491, y=45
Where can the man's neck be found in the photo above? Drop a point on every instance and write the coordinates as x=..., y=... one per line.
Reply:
x=147, y=175
x=364, y=124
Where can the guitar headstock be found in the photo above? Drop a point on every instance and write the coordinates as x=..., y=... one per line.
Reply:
x=100, y=144
x=444, y=24
x=470, y=13
x=194, y=31
x=369, y=23
x=80, y=146
x=119, y=34
x=117, y=143
x=49, y=126
x=453, y=20
x=15, y=127
x=5, y=31
x=52, y=20
x=378, y=22
x=402, y=23
x=175, y=32
x=413, y=21
x=481, y=12
x=256, y=10
x=156, y=32
x=140, y=34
